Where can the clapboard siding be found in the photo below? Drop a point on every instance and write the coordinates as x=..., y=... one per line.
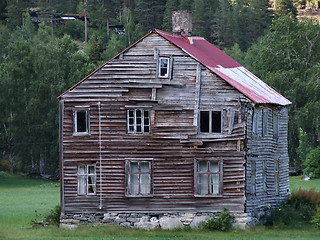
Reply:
x=128, y=82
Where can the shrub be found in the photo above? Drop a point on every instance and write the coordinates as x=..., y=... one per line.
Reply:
x=222, y=223
x=312, y=163
x=297, y=210
x=53, y=217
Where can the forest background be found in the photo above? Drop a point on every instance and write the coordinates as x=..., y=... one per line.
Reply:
x=39, y=60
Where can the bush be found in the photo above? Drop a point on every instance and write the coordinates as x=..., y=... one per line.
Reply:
x=222, y=223
x=53, y=217
x=312, y=163
x=298, y=210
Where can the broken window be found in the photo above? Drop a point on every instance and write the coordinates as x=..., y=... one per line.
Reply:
x=208, y=178
x=210, y=122
x=164, y=66
x=276, y=177
x=86, y=179
x=139, y=177
x=81, y=122
x=138, y=121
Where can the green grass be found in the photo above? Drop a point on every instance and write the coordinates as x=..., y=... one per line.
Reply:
x=296, y=182
x=22, y=200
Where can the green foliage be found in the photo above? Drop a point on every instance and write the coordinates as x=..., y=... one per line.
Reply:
x=296, y=211
x=315, y=220
x=311, y=165
x=287, y=58
x=75, y=29
x=286, y=7
x=53, y=217
x=221, y=223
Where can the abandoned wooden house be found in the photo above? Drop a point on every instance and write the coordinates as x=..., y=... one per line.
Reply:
x=168, y=132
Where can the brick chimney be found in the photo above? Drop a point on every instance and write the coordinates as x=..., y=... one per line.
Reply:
x=182, y=22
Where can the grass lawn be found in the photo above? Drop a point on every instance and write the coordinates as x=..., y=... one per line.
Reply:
x=296, y=182
x=23, y=200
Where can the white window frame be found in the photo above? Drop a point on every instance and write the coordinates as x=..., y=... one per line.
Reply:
x=75, y=122
x=210, y=121
x=132, y=121
x=139, y=173
x=210, y=174
x=87, y=180
x=167, y=74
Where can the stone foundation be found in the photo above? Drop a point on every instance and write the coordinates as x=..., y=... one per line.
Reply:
x=150, y=221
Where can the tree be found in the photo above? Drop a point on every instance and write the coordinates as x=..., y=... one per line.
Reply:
x=287, y=58
x=171, y=5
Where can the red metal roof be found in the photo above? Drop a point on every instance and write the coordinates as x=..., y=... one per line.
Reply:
x=227, y=68
x=221, y=64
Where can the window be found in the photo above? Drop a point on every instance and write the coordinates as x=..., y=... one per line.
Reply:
x=81, y=122
x=265, y=122
x=255, y=122
x=138, y=121
x=264, y=175
x=87, y=179
x=275, y=125
x=210, y=122
x=139, y=177
x=276, y=177
x=164, y=66
x=253, y=177
x=208, y=178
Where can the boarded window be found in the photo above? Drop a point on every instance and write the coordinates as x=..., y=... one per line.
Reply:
x=275, y=124
x=253, y=177
x=264, y=175
x=210, y=121
x=81, y=121
x=276, y=177
x=208, y=178
x=139, y=175
x=265, y=122
x=86, y=179
x=138, y=121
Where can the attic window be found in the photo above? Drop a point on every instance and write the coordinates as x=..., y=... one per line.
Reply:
x=210, y=122
x=164, y=67
x=81, y=122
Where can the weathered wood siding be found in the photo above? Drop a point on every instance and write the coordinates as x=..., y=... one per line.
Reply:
x=264, y=144
x=173, y=144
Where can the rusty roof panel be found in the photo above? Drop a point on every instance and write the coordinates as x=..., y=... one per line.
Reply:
x=227, y=68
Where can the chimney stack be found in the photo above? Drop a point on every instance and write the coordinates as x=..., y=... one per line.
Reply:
x=182, y=22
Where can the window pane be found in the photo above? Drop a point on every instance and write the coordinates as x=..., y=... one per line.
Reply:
x=82, y=170
x=145, y=184
x=134, y=167
x=81, y=121
x=204, y=121
x=203, y=184
x=214, y=167
x=203, y=167
x=81, y=184
x=214, y=183
x=91, y=170
x=131, y=113
x=216, y=121
x=134, y=184
x=145, y=167
x=164, y=62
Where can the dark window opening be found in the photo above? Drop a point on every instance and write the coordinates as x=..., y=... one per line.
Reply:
x=204, y=121
x=81, y=121
x=164, y=67
x=210, y=122
x=216, y=121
